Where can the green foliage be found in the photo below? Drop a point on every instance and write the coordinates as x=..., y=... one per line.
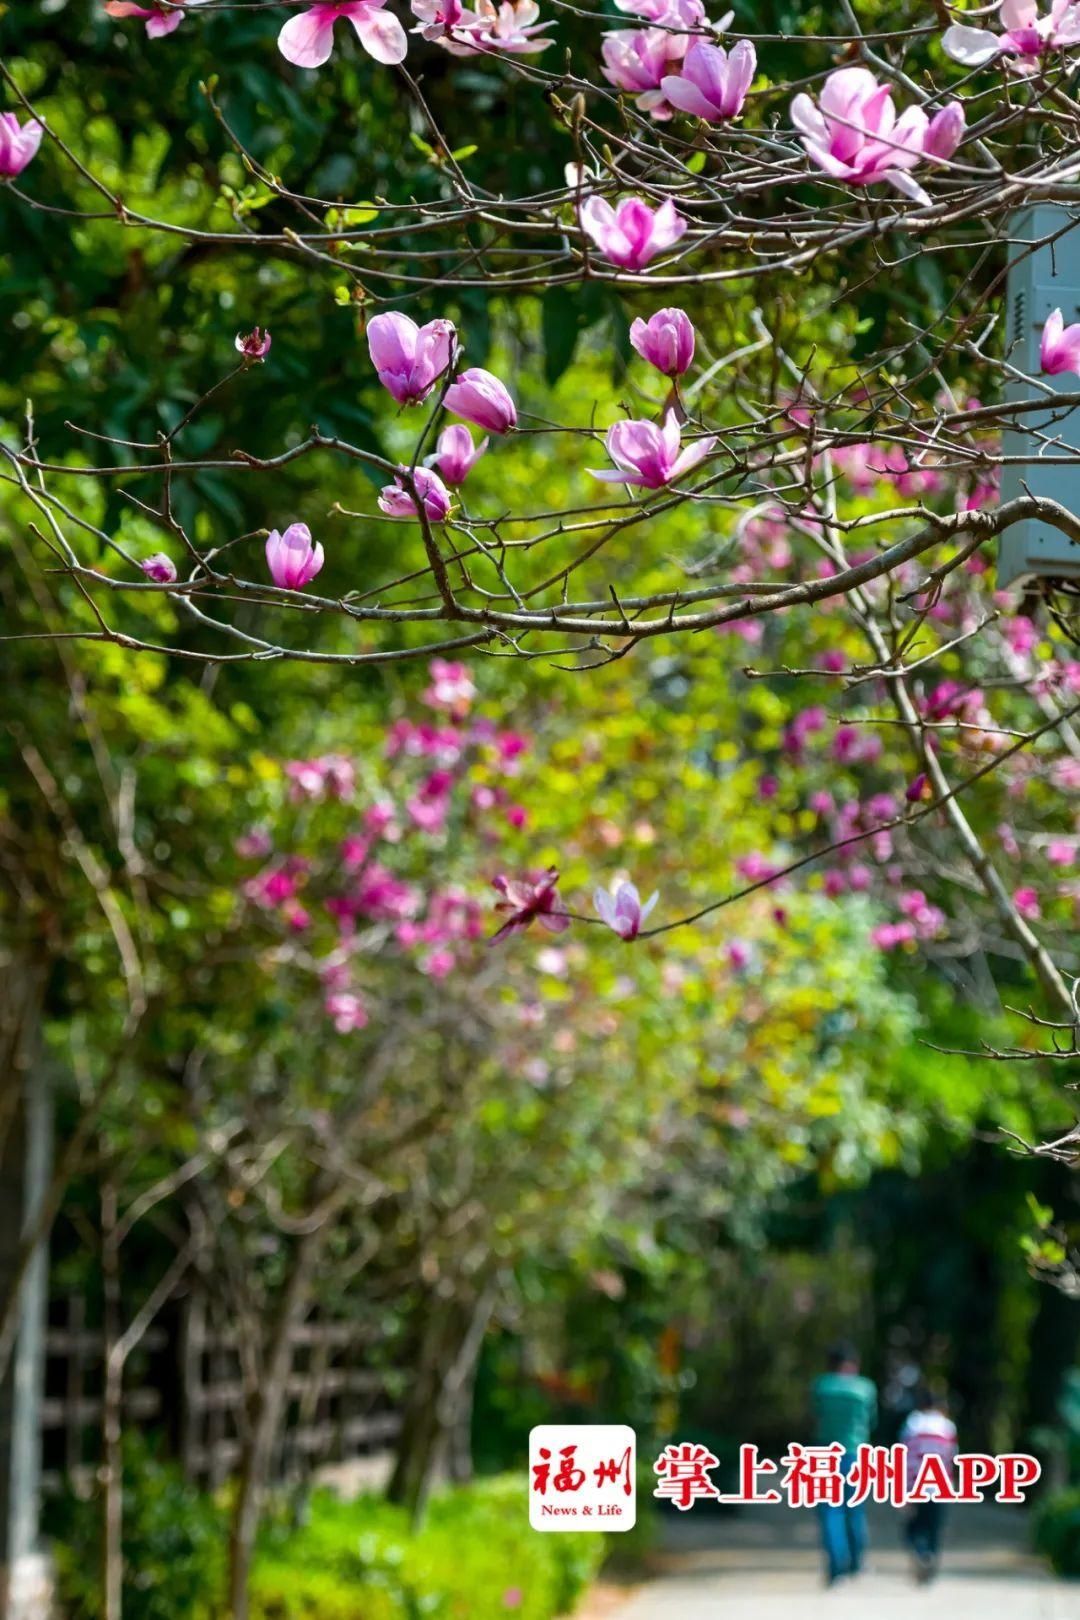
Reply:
x=173, y=1544
x=474, y=1558
x=1056, y=1530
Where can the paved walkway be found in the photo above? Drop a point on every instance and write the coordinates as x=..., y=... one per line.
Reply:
x=762, y=1564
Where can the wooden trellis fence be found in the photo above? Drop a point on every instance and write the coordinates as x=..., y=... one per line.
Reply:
x=187, y=1379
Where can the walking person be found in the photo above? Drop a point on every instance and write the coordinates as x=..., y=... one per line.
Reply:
x=927, y=1431
x=845, y=1412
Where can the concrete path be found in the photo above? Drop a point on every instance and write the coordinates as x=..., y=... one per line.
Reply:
x=763, y=1564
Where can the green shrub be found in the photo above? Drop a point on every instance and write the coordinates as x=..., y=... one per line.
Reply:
x=475, y=1558
x=1056, y=1529
x=173, y=1544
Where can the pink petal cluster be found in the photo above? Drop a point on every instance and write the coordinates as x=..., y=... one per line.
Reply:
x=307, y=40
x=254, y=345
x=631, y=234
x=456, y=454
x=1059, y=348
x=1026, y=36
x=346, y=1010
x=482, y=399
x=409, y=359
x=530, y=899
x=18, y=144
x=637, y=60
x=511, y=26
x=160, y=568
x=712, y=82
x=665, y=340
x=853, y=133
x=648, y=455
x=160, y=20
x=452, y=687
x=622, y=910
x=291, y=558
x=330, y=776
x=396, y=499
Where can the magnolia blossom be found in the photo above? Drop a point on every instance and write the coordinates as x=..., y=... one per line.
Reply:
x=631, y=233
x=308, y=38
x=665, y=340
x=671, y=13
x=255, y=345
x=396, y=499
x=347, y=1011
x=456, y=454
x=451, y=688
x=649, y=455
x=291, y=558
x=410, y=359
x=160, y=20
x=159, y=568
x=853, y=133
x=482, y=399
x=1059, y=349
x=18, y=144
x=511, y=26
x=436, y=17
x=638, y=59
x=622, y=909
x=1025, y=36
x=712, y=83
x=527, y=899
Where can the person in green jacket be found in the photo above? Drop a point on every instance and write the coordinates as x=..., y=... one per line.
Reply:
x=845, y=1412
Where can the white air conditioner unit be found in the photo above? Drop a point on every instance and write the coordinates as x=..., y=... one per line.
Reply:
x=1044, y=275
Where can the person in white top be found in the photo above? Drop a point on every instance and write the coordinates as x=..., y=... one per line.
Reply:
x=927, y=1431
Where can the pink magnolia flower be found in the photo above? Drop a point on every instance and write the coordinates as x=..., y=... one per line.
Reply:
x=409, y=359
x=347, y=1011
x=919, y=789
x=396, y=500
x=945, y=131
x=511, y=26
x=665, y=340
x=160, y=568
x=622, y=909
x=452, y=687
x=291, y=558
x=160, y=20
x=853, y=133
x=1026, y=902
x=638, y=59
x=18, y=143
x=436, y=17
x=671, y=13
x=529, y=898
x=1059, y=348
x=307, y=39
x=255, y=345
x=482, y=399
x=887, y=936
x=632, y=233
x=456, y=454
x=712, y=83
x=648, y=455
x=1025, y=36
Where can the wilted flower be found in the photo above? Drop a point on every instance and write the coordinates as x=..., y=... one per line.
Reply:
x=291, y=558
x=529, y=898
x=712, y=83
x=665, y=340
x=622, y=909
x=396, y=499
x=481, y=398
x=456, y=454
x=18, y=144
x=308, y=38
x=409, y=359
x=159, y=568
x=649, y=455
x=1059, y=349
x=632, y=233
x=255, y=345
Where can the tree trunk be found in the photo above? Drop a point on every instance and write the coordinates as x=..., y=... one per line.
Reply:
x=439, y=1401
x=266, y=1413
